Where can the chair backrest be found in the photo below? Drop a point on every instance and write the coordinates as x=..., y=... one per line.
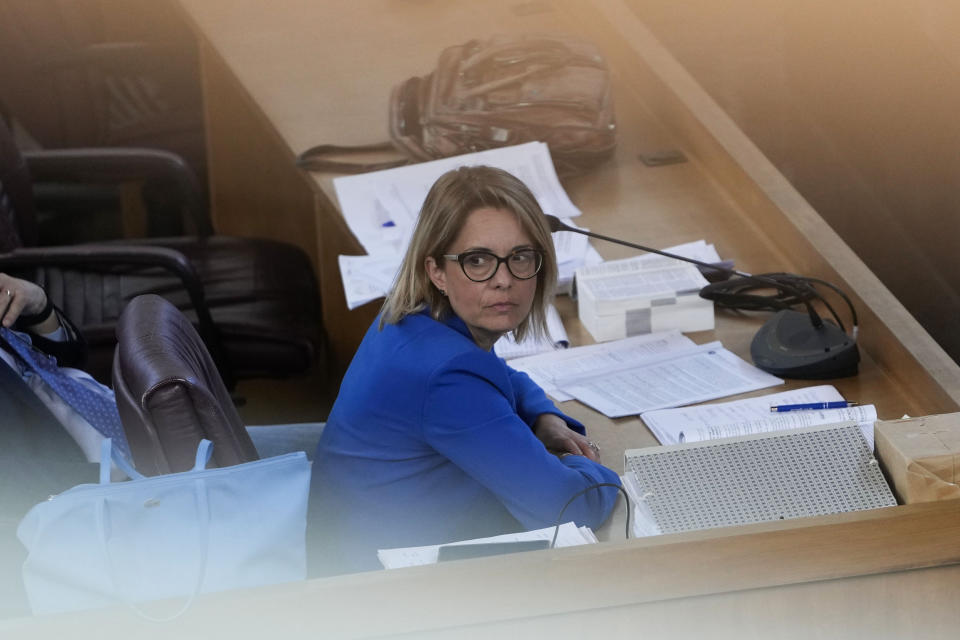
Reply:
x=17, y=224
x=169, y=392
x=92, y=73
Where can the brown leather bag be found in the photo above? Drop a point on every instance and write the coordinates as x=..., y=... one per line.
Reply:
x=494, y=93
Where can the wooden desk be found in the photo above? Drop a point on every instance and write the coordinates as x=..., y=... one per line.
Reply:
x=285, y=75
x=280, y=77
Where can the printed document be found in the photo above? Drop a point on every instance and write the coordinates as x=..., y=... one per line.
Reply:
x=573, y=252
x=705, y=373
x=618, y=282
x=381, y=207
x=752, y=415
x=550, y=370
x=366, y=278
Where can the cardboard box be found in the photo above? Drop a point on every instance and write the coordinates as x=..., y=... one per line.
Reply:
x=921, y=456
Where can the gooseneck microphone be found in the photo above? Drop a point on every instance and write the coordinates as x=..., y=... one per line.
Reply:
x=791, y=344
x=556, y=224
x=708, y=269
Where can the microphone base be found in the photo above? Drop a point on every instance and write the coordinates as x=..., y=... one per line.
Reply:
x=789, y=346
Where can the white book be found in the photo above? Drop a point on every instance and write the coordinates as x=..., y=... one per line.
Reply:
x=753, y=415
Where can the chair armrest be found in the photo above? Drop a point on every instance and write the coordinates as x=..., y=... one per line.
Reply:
x=82, y=255
x=114, y=165
x=92, y=255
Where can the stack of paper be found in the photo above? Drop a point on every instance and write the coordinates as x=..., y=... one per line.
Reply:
x=752, y=415
x=638, y=298
x=628, y=377
x=569, y=535
x=381, y=209
x=645, y=294
x=551, y=370
x=705, y=373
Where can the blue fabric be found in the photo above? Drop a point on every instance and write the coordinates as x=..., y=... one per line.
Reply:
x=430, y=441
x=99, y=409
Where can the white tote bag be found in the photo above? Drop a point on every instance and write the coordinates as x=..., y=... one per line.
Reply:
x=166, y=536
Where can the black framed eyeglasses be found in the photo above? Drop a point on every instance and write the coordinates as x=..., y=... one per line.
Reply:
x=479, y=265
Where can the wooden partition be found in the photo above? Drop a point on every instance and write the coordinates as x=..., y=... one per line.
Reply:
x=304, y=72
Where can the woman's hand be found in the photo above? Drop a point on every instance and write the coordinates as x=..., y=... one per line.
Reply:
x=560, y=439
x=21, y=296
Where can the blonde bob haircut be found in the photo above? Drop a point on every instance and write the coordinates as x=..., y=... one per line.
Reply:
x=452, y=198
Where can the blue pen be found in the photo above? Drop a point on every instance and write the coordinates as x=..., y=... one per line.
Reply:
x=813, y=406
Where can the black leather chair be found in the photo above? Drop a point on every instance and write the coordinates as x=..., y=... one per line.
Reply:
x=169, y=392
x=101, y=73
x=254, y=301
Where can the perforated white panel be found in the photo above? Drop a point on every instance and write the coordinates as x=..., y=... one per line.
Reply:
x=772, y=476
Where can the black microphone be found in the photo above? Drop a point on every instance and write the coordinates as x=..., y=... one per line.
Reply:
x=724, y=269
x=710, y=271
x=791, y=344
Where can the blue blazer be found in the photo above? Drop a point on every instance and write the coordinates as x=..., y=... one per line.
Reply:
x=430, y=441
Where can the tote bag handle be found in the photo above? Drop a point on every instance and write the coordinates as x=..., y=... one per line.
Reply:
x=201, y=501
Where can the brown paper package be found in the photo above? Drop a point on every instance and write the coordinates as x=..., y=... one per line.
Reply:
x=921, y=456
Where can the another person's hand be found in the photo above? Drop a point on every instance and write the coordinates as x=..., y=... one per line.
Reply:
x=23, y=297
x=560, y=439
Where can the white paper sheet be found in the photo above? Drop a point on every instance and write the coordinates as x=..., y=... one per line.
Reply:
x=381, y=207
x=508, y=348
x=644, y=523
x=706, y=373
x=366, y=278
x=560, y=367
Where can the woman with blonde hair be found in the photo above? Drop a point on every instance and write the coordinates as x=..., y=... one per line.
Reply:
x=433, y=438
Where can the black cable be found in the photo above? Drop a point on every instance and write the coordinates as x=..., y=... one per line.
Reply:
x=791, y=290
x=556, y=530
x=846, y=298
x=804, y=285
